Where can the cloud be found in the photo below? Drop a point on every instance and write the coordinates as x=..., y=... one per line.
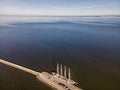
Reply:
x=39, y=7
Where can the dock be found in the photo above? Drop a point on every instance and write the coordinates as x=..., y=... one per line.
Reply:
x=44, y=77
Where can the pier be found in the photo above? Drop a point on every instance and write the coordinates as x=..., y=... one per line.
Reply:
x=45, y=77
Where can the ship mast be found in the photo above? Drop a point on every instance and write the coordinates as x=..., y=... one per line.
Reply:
x=69, y=74
x=65, y=71
x=57, y=69
x=61, y=71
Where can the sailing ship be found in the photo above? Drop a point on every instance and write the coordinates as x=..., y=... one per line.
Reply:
x=63, y=73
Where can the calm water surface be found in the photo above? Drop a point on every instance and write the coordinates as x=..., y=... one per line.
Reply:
x=89, y=45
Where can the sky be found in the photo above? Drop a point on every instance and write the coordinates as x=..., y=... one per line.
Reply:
x=59, y=7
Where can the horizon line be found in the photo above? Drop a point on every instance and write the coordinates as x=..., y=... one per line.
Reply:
x=61, y=15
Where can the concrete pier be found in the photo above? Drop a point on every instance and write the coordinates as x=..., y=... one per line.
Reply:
x=19, y=67
x=45, y=77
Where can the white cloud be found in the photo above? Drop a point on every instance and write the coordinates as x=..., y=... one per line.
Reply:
x=88, y=9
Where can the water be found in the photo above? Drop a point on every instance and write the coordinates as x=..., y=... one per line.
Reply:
x=89, y=45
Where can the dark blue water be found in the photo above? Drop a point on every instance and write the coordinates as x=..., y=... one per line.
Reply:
x=89, y=45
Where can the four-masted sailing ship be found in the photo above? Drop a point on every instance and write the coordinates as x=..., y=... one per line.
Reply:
x=63, y=73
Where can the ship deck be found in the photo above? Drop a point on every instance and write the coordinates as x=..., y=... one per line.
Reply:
x=55, y=82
